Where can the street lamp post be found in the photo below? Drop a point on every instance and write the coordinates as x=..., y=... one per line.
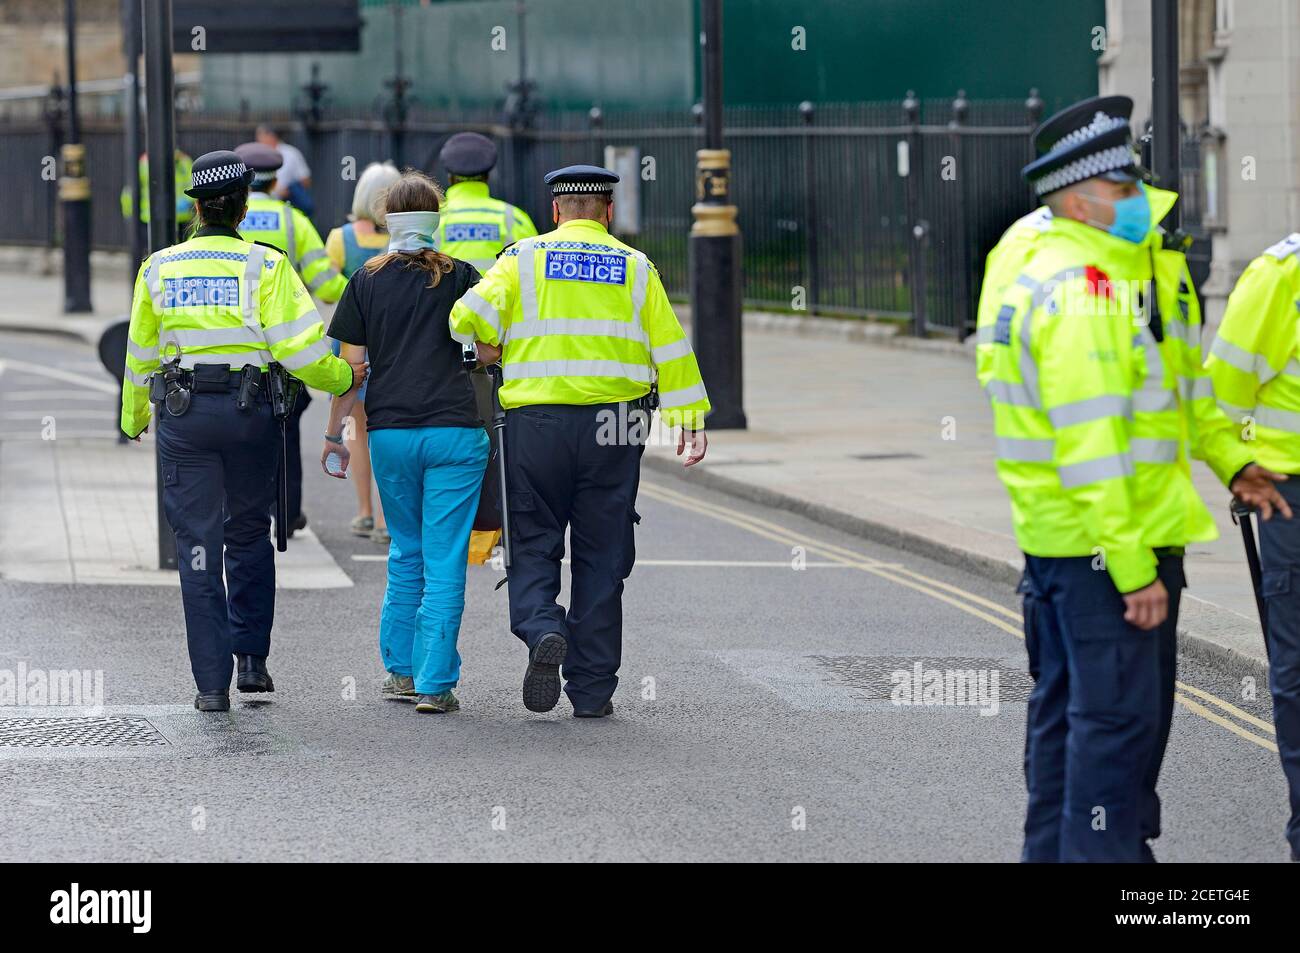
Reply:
x=74, y=190
x=1166, y=133
x=161, y=148
x=715, y=247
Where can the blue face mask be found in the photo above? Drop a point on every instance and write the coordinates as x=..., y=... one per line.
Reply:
x=1132, y=217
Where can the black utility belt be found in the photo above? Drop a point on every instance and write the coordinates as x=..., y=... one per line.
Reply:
x=172, y=386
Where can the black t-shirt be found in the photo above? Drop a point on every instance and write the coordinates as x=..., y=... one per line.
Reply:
x=416, y=375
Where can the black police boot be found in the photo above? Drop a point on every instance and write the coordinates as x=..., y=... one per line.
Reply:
x=604, y=711
x=212, y=701
x=252, y=674
x=542, y=678
x=299, y=523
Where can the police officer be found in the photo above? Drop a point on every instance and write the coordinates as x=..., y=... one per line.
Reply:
x=586, y=328
x=1175, y=398
x=217, y=311
x=1062, y=376
x=184, y=205
x=280, y=225
x=473, y=226
x=1255, y=363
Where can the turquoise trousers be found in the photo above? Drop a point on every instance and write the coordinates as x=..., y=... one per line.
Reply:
x=428, y=480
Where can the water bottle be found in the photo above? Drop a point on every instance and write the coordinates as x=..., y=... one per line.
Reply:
x=334, y=464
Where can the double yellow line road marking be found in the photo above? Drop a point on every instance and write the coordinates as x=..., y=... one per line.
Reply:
x=986, y=610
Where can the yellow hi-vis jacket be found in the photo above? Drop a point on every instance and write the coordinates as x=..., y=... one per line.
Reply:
x=223, y=300
x=1175, y=416
x=583, y=319
x=184, y=204
x=278, y=223
x=1255, y=359
x=474, y=227
x=1061, y=376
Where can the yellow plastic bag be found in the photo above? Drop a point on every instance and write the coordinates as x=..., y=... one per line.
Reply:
x=481, y=544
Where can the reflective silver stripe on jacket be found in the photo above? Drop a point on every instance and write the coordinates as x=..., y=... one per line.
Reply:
x=1006, y=392
x=291, y=329
x=545, y=326
x=1090, y=409
x=480, y=306
x=1288, y=420
x=308, y=355
x=527, y=279
x=683, y=396
x=1243, y=360
x=1094, y=471
x=316, y=254
x=153, y=281
x=1148, y=450
x=233, y=336
x=143, y=354
x=668, y=352
x=1153, y=396
x=529, y=369
x=1198, y=387
x=137, y=378
x=252, y=305
x=1026, y=450
x=329, y=274
x=292, y=250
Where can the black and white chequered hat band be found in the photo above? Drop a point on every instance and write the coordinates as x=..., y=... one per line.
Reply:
x=221, y=173
x=582, y=187
x=1098, y=163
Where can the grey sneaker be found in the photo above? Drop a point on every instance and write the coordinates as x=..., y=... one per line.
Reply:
x=440, y=704
x=398, y=686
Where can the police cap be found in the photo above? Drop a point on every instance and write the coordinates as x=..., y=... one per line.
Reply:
x=1090, y=139
x=258, y=157
x=581, y=180
x=217, y=173
x=468, y=153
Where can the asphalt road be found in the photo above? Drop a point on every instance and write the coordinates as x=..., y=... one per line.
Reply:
x=754, y=719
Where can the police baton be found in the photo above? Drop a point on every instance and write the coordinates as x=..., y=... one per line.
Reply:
x=499, y=426
x=280, y=407
x=1241, y=516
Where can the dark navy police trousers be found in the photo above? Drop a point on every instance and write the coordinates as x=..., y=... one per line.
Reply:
x=1279, y=550
x=1093, y=718
x=218, y=473
x=564, y=473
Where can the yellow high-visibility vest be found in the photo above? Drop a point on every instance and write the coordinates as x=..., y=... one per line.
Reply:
x=1255, y=359
x=474, y=227
x=1175, y=417
x=584, y=319
x=223, y=300
x=1060, y=372
x=278, y=223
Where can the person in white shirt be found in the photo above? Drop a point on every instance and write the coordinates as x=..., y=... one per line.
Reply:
x=294, y=171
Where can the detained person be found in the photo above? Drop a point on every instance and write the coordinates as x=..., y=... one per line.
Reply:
x=428, y=448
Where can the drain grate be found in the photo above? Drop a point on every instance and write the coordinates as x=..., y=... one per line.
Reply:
x=102, y=732
x=874, y=675
x=885, y=456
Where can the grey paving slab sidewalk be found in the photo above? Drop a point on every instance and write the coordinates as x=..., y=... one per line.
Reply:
x=887, y=438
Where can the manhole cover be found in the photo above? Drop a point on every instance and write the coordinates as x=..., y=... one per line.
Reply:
x=101, y=732
x=922, y=681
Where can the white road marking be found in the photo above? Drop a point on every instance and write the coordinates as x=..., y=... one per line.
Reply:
x=39, y=415
x=81, y=380
x=33, y=395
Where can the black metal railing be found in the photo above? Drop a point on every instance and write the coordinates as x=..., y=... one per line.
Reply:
x=864, y=209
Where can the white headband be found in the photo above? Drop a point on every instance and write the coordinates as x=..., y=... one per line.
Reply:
x=411, y=231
